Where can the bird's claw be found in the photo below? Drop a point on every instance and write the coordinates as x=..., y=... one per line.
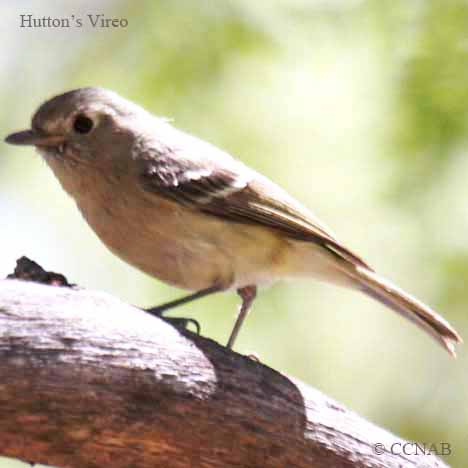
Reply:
x=177, y=322
x=183, y=322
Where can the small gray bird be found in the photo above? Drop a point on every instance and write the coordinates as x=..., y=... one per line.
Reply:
x=189, y=214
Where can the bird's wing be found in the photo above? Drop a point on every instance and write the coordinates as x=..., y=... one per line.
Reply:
x=223, y=187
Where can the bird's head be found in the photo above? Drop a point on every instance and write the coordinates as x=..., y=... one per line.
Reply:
x=86, y=125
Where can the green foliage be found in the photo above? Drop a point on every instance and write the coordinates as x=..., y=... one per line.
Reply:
x=432, y=98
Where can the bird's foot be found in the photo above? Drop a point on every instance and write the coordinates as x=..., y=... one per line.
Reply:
x=181, y=322
x=177, y=322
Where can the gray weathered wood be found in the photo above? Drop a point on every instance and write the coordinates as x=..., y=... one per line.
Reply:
x=88, y=381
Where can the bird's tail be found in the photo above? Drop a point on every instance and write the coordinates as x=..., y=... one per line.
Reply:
x=407, y=306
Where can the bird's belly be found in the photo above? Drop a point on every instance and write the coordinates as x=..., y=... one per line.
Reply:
x=182, y=247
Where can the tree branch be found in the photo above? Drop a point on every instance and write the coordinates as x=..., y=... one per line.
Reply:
x=86, y=380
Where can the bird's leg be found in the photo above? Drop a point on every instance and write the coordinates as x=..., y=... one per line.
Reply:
x=247, y=294
x=180, y=321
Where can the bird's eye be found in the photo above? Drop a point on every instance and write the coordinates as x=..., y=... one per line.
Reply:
x=82, y=124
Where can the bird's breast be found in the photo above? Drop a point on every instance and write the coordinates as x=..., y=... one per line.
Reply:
x=171, y=242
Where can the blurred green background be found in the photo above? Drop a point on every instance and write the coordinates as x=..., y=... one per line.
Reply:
x=357, y=108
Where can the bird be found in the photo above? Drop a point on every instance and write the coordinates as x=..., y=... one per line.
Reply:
x=190, y=214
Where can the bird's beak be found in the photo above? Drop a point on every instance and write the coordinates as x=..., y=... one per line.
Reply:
x=33, y=138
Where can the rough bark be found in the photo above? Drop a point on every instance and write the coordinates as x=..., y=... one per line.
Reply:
x=88, y=381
